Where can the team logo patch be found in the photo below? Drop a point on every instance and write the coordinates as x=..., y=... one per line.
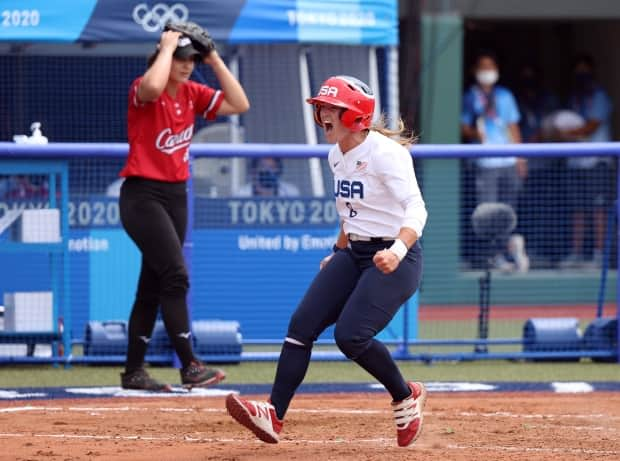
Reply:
x=168, y=142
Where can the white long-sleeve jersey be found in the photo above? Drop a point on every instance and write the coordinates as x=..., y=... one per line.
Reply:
x=376, y=189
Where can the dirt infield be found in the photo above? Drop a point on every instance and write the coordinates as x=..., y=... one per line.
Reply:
x=461, y=426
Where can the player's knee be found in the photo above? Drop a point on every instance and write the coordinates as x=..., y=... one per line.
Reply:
x=298, y=338
x=147, y=301
x=349, y=343
x=298, y=331
x=175, y=281
x=295, y=342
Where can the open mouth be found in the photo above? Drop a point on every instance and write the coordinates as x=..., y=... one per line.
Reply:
x=328, y=126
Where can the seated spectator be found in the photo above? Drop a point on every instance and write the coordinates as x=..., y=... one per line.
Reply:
x=265, y=180
x=23, y=187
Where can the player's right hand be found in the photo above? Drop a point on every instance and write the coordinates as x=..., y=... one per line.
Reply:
x=386, y=261
x=326, y=260
x=169, y=40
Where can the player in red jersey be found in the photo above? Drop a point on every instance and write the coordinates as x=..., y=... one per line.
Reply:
x=162, y=106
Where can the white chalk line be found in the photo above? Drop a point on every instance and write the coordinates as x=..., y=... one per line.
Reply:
x=149, y=438
x=575, y=428
x=176, y=410
x=572, y=451
x=340, y=441
x=506, y=414
x=345, y=411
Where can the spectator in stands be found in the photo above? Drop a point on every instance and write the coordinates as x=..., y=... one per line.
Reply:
x=590, y=183
x=535, y=102
x=162, y=107
x=265, y=180
x=490, y=115
x=538, y=204
x=23, y=187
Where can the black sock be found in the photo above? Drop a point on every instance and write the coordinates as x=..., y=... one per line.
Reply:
x=292, y=366
x=378, y=361
x=176, y=319
x=141, y=324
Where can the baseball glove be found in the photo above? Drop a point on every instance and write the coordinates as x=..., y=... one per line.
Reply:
x=200, y=38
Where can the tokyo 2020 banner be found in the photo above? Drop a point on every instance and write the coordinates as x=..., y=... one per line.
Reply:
x=354, y=22
x=253, y=259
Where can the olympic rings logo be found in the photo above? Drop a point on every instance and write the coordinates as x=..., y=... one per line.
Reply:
x=156, y=18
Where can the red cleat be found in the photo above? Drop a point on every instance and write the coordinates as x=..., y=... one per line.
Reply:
x=408, y=415
x=259, y=417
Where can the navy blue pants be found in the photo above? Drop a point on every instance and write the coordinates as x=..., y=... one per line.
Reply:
x=360, y=300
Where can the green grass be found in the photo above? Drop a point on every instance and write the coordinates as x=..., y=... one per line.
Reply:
x=346, y=371
x=263, y=372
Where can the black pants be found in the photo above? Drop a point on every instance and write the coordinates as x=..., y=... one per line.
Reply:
x=154, y=214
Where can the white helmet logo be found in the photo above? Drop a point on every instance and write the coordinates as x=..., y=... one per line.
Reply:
x=328, y=91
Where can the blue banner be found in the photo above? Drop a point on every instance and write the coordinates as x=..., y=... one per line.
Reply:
x=354, y=22
x=252, y=259
x=42, y=20
x=265, y=212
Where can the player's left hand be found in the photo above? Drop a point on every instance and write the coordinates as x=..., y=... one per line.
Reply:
x=211, y=58
x=386, y=261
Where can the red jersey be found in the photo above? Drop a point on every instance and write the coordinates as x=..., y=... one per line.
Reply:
x=160, y=131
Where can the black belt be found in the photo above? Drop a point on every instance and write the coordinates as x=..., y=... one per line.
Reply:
x=362, y=238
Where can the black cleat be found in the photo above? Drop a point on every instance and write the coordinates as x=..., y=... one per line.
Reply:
x=197, y=374
x=139, y=379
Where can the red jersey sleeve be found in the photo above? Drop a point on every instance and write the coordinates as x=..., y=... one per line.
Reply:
x=208, y=100
x=133, y=94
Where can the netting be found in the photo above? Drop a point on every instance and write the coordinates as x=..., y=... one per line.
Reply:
x=79, y=92
x=511, y=290
x=35, y=282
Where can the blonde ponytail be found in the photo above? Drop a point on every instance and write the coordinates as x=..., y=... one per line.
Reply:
x=402, y=135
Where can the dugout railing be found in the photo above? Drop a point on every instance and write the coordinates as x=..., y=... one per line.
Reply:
x=252, y=258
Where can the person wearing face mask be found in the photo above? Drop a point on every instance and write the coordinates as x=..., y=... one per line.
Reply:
x=265, y=180
x=590, y=180
x=490, y=115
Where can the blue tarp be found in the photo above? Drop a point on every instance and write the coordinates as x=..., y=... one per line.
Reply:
x=354, y=22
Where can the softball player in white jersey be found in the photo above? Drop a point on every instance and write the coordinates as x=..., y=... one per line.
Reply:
x=375, y=267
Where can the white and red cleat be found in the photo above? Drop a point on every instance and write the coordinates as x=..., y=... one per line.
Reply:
x=259, y=417
x=408, y=415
